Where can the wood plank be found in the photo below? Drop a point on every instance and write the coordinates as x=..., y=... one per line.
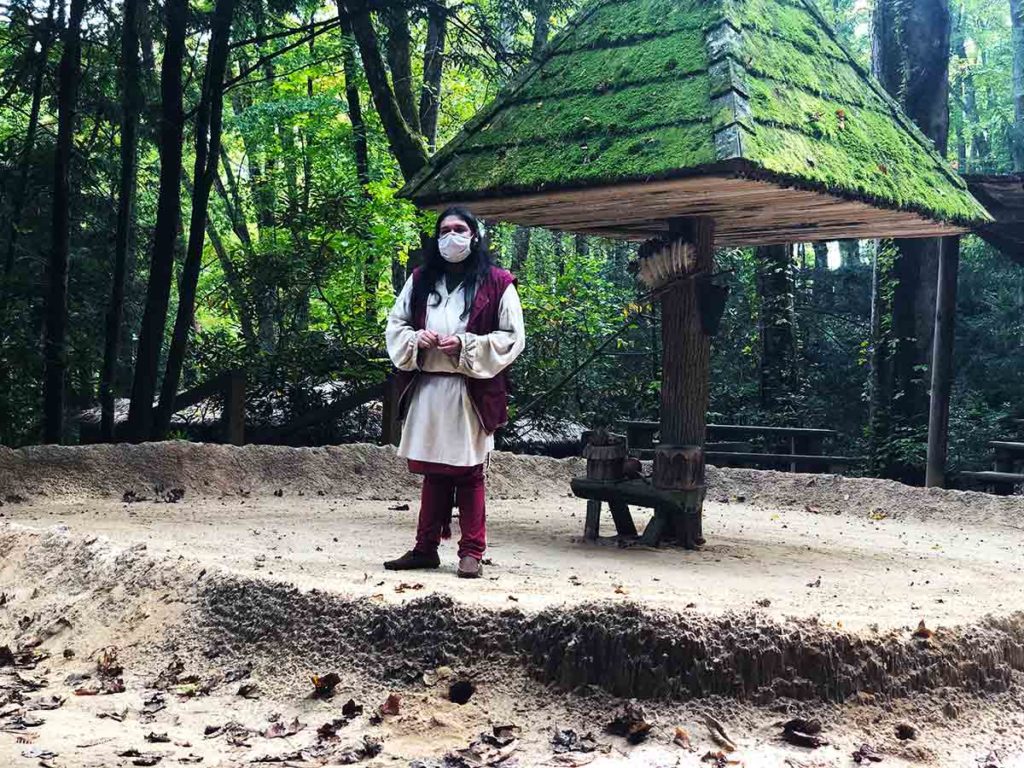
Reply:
x=995, y=477
x=783, y=458
x=746, y=211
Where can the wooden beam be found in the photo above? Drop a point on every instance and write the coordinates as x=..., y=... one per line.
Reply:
x=746, y=212
x=942, y=362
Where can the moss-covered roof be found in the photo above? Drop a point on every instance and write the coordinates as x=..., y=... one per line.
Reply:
x=635, y=90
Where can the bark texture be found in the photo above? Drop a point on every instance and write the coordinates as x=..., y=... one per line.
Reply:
x=168, y=221
x=55, y=332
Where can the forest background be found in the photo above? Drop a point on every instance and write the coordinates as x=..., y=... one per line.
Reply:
x=189, y=187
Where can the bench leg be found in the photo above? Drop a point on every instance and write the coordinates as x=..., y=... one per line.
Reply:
x=624, y=525
x=657, y=528
x=590, y=528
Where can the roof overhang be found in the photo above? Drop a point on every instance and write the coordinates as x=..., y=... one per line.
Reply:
x=747, y=211
x=1003, y=196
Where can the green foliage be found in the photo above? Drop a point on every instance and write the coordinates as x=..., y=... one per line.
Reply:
x=308, y=259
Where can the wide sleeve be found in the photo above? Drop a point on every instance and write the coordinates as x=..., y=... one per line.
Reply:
x=485, y=356
x=400, y=336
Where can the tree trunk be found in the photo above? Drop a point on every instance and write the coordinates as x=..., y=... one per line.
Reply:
x=55, y=334
x=208, y=130
x=433, y=66
x=541, y=26
x=1017, y=42
x=168, y=220
x=405, y=146
x=910, y=56
x=880, y=382
x=399, y=53
x=776, y=290
x=131, y=95
x=355, y=110
x=234, y=281
x=686, y=353
x=942, y=364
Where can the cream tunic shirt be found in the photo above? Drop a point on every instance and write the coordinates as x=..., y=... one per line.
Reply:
x=441, y=424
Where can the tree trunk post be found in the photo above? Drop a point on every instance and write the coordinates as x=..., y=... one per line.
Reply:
x=685, y=380
x=391, y=425
x=233, y=416
x=55, y=343
x=942, y=362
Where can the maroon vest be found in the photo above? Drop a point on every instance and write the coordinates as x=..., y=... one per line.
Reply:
x=489, y=396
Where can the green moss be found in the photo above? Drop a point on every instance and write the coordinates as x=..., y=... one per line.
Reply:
x=627, y=96
x=595, y=71
x=632, y=108
x=607, y=158
x=822, y=75
x=617, y=22
x=788, y=21
x=845, y=167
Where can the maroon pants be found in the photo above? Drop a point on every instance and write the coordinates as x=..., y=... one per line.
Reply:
x=444, y=487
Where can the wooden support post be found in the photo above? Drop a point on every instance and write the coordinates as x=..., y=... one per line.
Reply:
x=233, y=417
x=391, y=425
x=685, y=384
x=591, y=528
x=942, y=362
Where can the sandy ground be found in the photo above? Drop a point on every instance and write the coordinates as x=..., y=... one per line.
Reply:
x=81, y=570
x=847, y=569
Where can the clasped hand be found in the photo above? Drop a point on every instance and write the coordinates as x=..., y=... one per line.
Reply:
x=450, y=345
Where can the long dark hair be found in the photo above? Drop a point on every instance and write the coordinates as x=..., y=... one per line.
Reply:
x=478, y=263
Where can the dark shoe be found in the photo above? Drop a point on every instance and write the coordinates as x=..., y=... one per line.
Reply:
x=469, y=568
x=414, y=560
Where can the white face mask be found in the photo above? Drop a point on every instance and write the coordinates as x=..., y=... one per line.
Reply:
x=454, y=247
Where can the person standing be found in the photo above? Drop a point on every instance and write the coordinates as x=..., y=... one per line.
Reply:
x=453, y=332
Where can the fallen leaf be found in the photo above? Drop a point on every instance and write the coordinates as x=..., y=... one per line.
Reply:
x=324, y=685
x=279, y=730
x=922, y=631
x=682, y=739
x=392, y=705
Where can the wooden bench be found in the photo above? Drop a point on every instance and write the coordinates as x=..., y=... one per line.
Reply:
x=670, y=521
x=999, y=483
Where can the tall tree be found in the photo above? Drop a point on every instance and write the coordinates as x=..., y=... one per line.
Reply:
x=131, y=106
x=207, y=136
x=355, y=110
x=168, y=220
x=910, y=56
x=1017, y=41
x=541, y=26
x=399, y=55
x=55, y=334
x=406, y=147
x=433, y=68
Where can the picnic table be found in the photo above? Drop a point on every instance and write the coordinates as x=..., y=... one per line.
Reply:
x=804, y=446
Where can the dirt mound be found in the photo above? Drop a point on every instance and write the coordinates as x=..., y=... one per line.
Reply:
x=624, y=649
x=861, y=496
x=369, y=471
x=87, y=591
x=374, y=472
